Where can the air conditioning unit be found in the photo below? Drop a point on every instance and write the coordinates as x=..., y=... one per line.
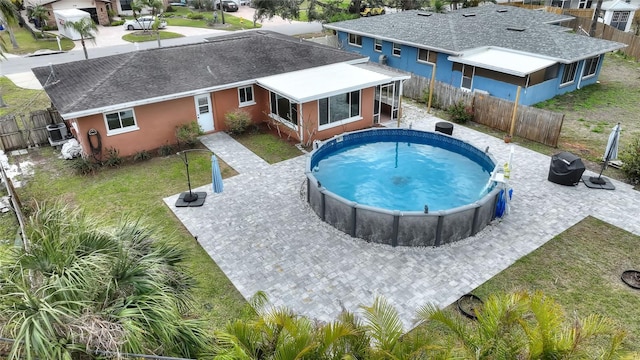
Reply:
x=382, y=59
x=57, y=132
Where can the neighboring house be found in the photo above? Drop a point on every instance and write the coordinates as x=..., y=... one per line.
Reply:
x=491, y=48
x=618, y=14
x=97, y=8
x=135, y=101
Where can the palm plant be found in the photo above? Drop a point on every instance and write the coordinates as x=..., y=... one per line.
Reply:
x=85, y=27
x=83, y=290
x=527, y=326
x=40, y=12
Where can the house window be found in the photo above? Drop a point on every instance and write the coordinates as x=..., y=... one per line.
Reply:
x=584, y=4
x=338, y=108
x=245, y=95
x=467, y=77
x=355, y=40
x=396, y=49
x=283, y=109
x=377, y=45
x=125, y=4
x=120, y=121
x=590, y=66
x=427, y=56
x=569, y=73
x=620, y=19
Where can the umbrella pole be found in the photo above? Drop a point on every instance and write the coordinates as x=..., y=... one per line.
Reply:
x=190, y=197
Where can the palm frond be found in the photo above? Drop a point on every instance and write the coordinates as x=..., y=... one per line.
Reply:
x=382, y=323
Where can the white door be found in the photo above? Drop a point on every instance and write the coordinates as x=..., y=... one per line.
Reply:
x=203, y=112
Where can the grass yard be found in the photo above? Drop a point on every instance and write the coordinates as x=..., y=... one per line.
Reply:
x=142, y=36
x=21, y=101
x=268, y=146
x=232, y=23
x=130, y=191
x=581, y=269
x=27, y=44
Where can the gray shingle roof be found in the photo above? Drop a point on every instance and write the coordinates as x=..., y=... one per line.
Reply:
x=147, y=74
x=454, y=33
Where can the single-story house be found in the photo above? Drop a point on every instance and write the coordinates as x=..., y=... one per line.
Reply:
x=135, y=101
x=97, y=8
x=618, y=14
x=491, y=49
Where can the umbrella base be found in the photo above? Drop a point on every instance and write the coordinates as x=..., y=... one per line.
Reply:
x=595, y=182
x=184, y=200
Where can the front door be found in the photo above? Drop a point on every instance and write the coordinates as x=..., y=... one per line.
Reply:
x=203, y=112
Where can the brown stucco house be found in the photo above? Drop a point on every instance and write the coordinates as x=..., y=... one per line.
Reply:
x=135, y=101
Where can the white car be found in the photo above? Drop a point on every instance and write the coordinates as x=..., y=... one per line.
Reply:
x=144, y=23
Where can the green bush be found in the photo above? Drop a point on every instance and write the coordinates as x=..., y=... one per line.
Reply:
x=187, y=134
x=237, y=121
x=84, y=166
x=460, y=113
x=142, y=155
x=630, y=157
x=113, y=157
x=169, y=9
x=117, y=22
x=195, y=16
x=342, y=16
x=166, y=150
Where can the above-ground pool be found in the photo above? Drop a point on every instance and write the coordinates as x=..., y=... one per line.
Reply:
x=401, y=186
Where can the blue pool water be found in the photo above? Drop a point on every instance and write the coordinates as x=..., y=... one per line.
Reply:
x=402, y=176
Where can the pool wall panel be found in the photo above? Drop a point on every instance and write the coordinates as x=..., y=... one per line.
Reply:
x=374, y=226
x=417, y=230
x=338, y=212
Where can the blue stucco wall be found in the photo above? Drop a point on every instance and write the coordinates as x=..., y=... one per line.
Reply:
x=408, y=61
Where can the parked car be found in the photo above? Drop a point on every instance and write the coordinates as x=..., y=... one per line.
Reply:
x=179, y=3
x=144, y=23
x=371, y=10
x=228, y=6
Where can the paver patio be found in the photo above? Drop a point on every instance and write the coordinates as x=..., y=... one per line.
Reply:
x=263, y=235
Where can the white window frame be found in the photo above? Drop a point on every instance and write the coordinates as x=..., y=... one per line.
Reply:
x=473, y=73
x=377, y=45
x=275, y=116
x=121, y=130
x=565, y=72
x=428, y=56
x=590, y=63
x=397, y=50
x=246, y=102
x=357, y=40
x=341, y=122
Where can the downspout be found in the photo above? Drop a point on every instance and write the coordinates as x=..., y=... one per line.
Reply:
x=431, y=85
x=301, y=124
x=581, y=72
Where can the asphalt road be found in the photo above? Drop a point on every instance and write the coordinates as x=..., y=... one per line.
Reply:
x=23, y=64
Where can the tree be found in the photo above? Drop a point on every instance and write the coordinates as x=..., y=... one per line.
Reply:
x=596, y=16
x=8, y=17
x=85, y=27
x=267, y=9
x=84, y=289
x=527, y=326
x=39, y=12
x=156, y=8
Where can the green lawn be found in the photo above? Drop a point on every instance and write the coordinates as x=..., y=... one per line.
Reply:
x=581, y=269
x=27, y=44
x=268, y=146
x=130, y=190
x=232, y=23
x=21, y=101
x=142, y=36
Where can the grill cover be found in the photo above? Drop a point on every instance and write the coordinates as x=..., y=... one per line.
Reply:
x=565, y=169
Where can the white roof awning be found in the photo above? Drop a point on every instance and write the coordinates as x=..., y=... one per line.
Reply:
x=324, y=81
x=504, y=61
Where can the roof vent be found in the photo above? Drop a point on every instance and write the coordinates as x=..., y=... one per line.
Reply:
x=469, y=14
x=514, y=28
x=424, y=14
x=502, y=10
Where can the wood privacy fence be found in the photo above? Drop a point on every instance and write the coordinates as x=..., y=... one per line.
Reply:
x=539, y=125
x=608, y=32
x=33, y=131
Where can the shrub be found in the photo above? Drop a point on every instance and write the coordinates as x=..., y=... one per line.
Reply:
x=188, y=133
x=117, y=22
x=141, y=156
x=169, y=9
x=166, y=150
x=342, y=17
x=113, y=157
x=237, y=121
x=460, y=113
x=631, y=161
x=195, y=16
x=84, y=166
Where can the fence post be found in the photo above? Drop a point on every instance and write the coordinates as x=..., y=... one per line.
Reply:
x=515, y=112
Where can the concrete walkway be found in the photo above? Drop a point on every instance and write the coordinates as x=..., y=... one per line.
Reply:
x=263, y=235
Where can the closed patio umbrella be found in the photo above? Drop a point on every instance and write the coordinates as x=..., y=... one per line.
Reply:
x=610, y=153
x=216, y=175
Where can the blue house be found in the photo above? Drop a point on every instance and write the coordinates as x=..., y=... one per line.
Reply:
x=490, y=49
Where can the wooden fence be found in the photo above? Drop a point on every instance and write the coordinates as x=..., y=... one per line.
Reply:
x=33, y=131
x=539, y=125
x=608, y=32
